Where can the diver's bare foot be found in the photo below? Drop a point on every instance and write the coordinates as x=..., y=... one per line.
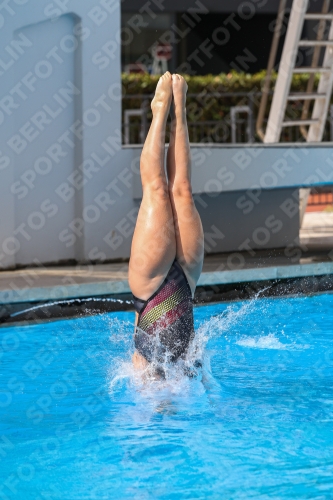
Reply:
x=179, y=89
x=163, y=95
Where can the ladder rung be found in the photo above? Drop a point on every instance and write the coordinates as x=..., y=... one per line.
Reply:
x=315, y=43
x=315, y=16
x=295, y=96
x=312, y=70
x=294, y=123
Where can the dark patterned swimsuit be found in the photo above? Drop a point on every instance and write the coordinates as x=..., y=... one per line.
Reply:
x=165, y=323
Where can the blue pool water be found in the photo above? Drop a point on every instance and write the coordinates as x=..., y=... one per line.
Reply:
x=255, y=423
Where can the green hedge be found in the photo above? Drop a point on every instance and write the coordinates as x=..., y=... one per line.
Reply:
x=205, y=107
x=231, y=82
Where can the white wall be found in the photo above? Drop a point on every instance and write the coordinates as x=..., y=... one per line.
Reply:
x=56, y=110
x=225, y=168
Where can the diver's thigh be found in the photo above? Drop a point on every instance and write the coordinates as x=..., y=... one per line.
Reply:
x=153, y=246
x=189, y=239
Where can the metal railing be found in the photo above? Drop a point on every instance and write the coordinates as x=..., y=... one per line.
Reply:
x=314, y=64
x=235, y=127
x=317, y=46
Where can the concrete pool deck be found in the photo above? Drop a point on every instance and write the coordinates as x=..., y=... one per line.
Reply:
x=68, y=282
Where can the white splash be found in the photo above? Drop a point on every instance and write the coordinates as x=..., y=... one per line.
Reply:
x=185, y=376
x=267, y=342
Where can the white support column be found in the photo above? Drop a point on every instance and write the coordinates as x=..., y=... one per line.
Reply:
x=9, y=243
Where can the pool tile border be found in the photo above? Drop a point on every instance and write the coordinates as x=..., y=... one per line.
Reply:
x=116, y=288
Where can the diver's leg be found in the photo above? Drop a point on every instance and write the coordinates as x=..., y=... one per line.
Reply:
x=154, y=244
x=189, y=233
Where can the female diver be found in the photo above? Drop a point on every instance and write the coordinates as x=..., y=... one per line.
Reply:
x=167, y=247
